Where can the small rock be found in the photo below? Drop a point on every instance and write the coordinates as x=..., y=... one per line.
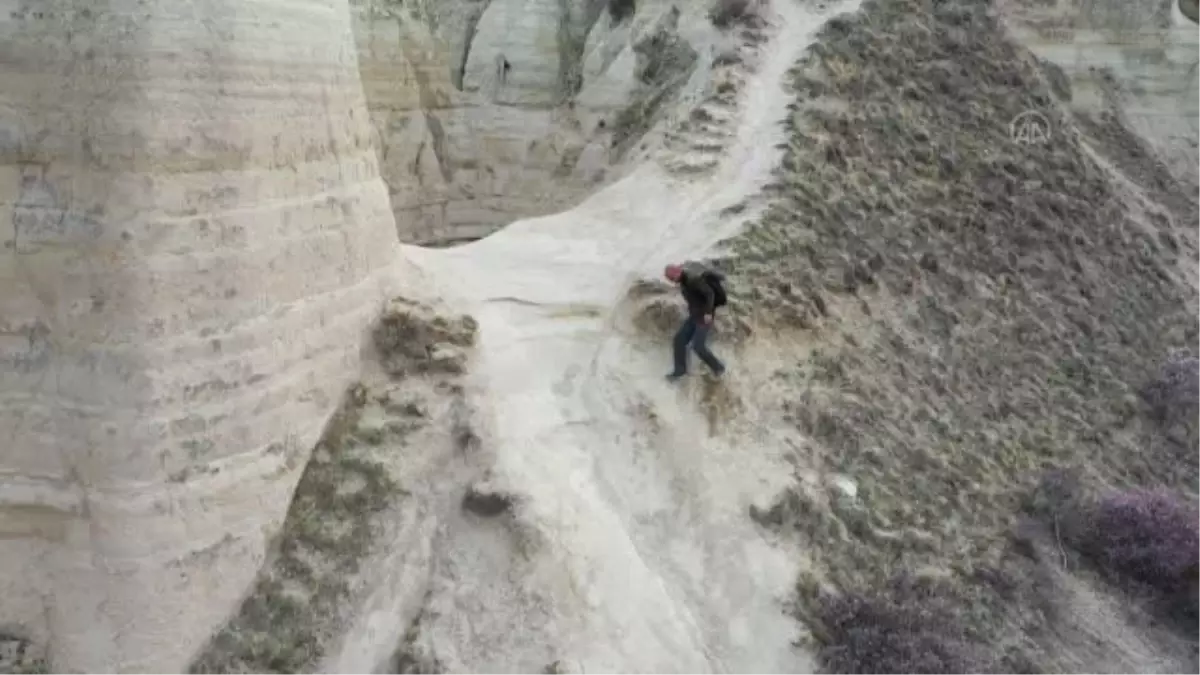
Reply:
x=849, y=509
x=845, y=486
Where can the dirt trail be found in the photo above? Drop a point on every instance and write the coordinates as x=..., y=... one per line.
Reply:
x=629, y=547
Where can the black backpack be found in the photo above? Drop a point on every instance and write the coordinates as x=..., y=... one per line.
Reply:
x=714, y=280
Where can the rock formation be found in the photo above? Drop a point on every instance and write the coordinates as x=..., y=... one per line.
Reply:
x=194, y=238
x=1135, y=59
x=487, y=112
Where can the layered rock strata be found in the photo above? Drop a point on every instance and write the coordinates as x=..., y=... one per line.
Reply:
x=487, y=112
x=194, y=238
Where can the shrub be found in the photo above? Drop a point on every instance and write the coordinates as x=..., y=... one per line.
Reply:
x=1177, y=389
x=726, y=13
x=1150, y=536
x=619, y=10
x=910, y=627
x=1062, y=503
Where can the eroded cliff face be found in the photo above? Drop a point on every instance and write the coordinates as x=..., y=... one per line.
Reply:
x=1134, y=60
x=488, y=111
x=194, y=238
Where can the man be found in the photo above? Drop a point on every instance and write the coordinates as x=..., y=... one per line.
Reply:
x=696, y=285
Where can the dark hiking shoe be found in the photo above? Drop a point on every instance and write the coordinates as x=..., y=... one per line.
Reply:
x=672, y=377
x=719, y=372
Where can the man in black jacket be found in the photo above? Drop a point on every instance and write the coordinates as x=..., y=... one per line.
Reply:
x=701, y=302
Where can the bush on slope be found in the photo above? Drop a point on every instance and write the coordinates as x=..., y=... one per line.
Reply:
x=982, y=311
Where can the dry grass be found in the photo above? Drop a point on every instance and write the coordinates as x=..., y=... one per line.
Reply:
x=413, y=338
x=283, y=624
x=410, y=656
x=298, y=601
x=728, y=13
x=982, y=311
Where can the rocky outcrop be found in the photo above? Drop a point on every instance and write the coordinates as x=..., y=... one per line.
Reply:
x=194, y=237
x=492, y=110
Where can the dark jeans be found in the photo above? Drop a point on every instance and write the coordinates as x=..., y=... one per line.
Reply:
x=697, y=334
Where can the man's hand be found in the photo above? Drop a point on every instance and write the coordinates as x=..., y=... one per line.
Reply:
x=707, y=319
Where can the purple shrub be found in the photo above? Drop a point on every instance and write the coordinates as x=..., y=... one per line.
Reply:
x=908, y=628
x=1150, y=536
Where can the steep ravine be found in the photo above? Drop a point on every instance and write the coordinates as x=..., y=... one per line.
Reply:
x=487, y=112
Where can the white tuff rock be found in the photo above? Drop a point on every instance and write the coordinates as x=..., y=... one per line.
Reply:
x=194, y=238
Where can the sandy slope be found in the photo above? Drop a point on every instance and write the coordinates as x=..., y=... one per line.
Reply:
x=638, y=551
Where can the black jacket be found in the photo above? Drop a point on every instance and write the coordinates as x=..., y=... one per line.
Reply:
x=697, y=292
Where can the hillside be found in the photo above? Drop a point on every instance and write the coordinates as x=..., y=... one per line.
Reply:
x=972, y=314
